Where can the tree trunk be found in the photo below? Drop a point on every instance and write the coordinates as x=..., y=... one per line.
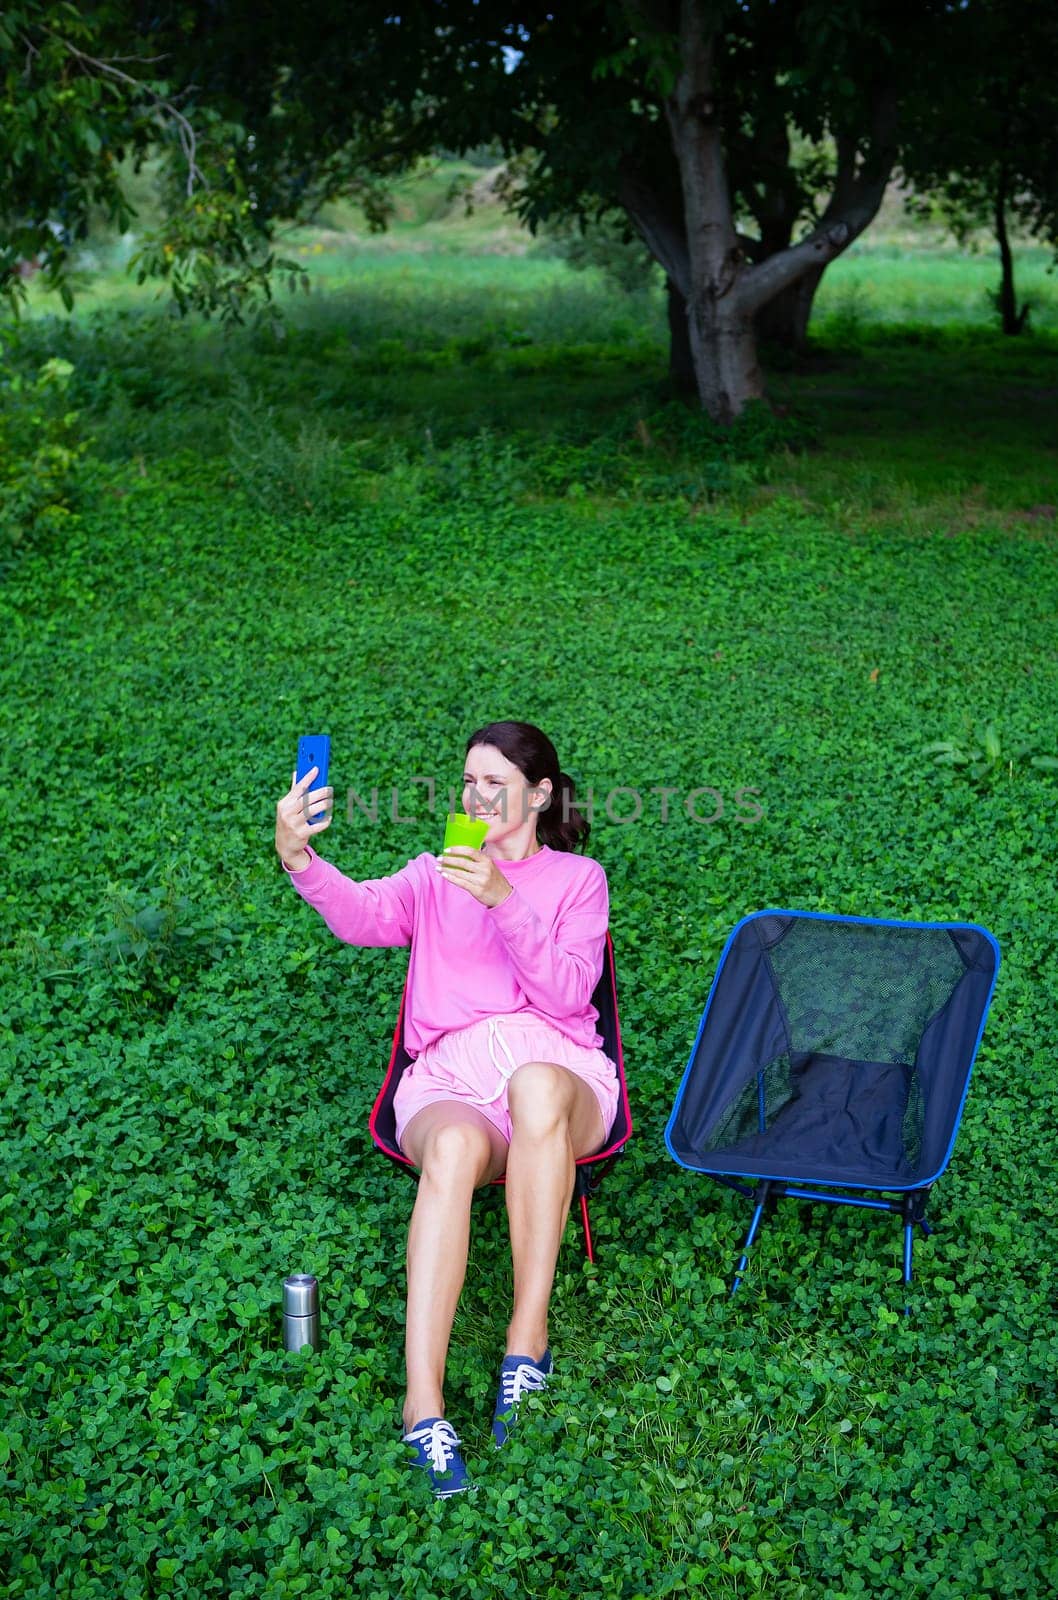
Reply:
x=696, y=241
x=681, y=359
x=1013, y=319
x=726, y=369
x=721, y=328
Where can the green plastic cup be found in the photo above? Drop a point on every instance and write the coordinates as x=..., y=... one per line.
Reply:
x=461, y=829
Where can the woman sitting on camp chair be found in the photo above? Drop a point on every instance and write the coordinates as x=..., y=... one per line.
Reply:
x=508, y=1075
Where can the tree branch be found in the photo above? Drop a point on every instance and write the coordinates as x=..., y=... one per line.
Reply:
x=188, y=142
x=854, y=202
x=768, y=278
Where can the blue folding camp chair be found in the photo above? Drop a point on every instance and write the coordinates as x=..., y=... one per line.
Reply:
x=834, y=1052
x=589, y=1169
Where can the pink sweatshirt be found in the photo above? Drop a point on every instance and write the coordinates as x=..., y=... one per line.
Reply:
x=540, y=952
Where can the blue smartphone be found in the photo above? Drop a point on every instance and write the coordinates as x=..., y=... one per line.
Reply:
x=314, y=750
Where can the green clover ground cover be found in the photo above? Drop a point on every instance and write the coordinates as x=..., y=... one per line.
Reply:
x=395, y=541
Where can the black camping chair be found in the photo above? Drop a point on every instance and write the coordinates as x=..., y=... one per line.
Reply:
x=834, y=1052
x=590, y=1169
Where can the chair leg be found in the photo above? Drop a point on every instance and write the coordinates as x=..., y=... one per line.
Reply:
x=585, y=1222
x=581, y=1189
x=763, y=1190
x=914, y=1213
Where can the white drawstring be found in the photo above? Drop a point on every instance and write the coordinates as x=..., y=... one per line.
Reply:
x=506, y=1073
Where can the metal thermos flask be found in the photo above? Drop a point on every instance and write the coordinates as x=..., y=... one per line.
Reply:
x=301, y=1311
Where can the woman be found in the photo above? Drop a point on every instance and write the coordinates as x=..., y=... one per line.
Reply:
x=507, y=1074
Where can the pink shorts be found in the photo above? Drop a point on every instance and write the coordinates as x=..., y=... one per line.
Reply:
x=472, y=1065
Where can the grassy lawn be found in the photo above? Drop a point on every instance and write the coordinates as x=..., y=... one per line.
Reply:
x=458, y=490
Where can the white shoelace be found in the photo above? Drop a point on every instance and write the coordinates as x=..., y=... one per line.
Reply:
x=439, y=1441
x=525, y=1378
x=505, y=1072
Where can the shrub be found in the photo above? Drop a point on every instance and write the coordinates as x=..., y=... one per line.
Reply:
x=41, y=454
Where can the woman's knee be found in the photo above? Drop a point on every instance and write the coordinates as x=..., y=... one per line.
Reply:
x=456, y=1153
x=539, y=1099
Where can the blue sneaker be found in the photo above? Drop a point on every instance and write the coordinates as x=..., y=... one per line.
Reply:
x=518, y=1376
x=436, y=1446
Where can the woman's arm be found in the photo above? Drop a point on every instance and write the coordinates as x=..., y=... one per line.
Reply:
x=378, y=911
x=558, y=969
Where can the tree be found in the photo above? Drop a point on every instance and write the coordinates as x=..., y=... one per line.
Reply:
x=264, y=113
x=304, y=92
x=224, y=95
x=65, y=114
x=985, y=158
x=716, y=127
x=85, y=96
x=681, y=111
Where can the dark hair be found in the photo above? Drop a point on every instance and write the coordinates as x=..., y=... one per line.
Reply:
x=560, y=825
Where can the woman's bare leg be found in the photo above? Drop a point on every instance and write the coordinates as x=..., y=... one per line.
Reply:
x=555, y=1118
x=456, y=1148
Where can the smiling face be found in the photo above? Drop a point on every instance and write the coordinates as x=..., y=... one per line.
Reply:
x=497, y=792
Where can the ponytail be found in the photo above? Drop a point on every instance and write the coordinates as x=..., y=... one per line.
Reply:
x=561, y=825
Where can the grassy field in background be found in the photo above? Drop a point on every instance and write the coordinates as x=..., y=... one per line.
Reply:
x=447, y=224
x=458, y=489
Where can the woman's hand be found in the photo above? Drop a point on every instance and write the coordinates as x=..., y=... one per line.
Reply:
x=293, y=832
x=477, y=873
